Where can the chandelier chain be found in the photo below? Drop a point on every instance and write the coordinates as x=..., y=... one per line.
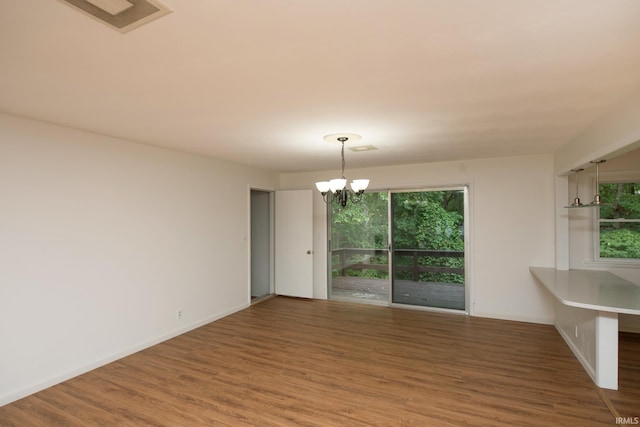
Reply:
x=343, y=162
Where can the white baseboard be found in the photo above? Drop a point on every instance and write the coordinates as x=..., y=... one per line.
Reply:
x=525, y=319
x=13, y=396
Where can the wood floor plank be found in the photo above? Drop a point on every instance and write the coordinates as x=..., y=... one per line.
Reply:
x=290, y=362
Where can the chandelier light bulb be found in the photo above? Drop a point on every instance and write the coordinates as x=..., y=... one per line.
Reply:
x=323, y=186
x=359, y=184
x=337, y=184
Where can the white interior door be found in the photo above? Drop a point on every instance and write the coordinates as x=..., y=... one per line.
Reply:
x=294, y=241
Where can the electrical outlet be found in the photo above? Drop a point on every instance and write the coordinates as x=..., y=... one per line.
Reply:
x=179, y=314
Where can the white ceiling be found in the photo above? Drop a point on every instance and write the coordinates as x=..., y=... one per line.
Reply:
x=260, y=82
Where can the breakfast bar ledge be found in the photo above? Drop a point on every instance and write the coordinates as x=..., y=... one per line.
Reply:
x=593, y=337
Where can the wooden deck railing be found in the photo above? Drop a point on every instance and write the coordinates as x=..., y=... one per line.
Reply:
x=415, y=254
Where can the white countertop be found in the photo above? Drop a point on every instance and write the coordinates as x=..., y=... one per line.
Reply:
x=592, y=289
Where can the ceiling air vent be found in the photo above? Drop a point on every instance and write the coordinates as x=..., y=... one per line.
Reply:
x=121, y=15
x=363, y=148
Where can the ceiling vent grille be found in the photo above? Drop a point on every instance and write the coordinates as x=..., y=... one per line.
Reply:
x=363, y=148
x=121, y=15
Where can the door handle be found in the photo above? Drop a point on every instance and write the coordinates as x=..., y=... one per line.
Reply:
x=309, y=252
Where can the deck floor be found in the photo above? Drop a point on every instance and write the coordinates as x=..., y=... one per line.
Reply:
x=430, y=294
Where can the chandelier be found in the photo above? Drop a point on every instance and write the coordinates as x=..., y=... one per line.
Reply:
x=336, y=189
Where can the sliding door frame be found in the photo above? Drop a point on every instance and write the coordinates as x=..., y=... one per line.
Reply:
x=468, y=279
x=467, y=270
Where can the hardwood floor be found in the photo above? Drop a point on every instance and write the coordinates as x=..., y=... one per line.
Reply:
x=626, y=400
x=322, y=363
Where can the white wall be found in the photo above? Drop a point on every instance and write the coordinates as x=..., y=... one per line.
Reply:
x=102, y=240
x=512, y=226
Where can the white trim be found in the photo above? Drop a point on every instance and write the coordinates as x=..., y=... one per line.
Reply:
x=606, y=263
x=468, y=258
x=611, y=178
x=562, y=258
x=512, y=318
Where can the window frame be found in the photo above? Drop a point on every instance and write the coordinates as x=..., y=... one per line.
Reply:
x=612, y=178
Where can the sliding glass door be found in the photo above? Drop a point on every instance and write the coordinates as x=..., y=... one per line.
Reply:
x=428, y=248
x=359, y=249
x=401, y=247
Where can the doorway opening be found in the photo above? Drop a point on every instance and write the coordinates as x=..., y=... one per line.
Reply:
x=261, y=251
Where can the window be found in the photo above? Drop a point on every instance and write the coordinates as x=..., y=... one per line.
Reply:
x=619, y=221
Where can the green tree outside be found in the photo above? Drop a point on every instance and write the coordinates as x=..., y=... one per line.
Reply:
x=421, y=220
x=620, y=239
